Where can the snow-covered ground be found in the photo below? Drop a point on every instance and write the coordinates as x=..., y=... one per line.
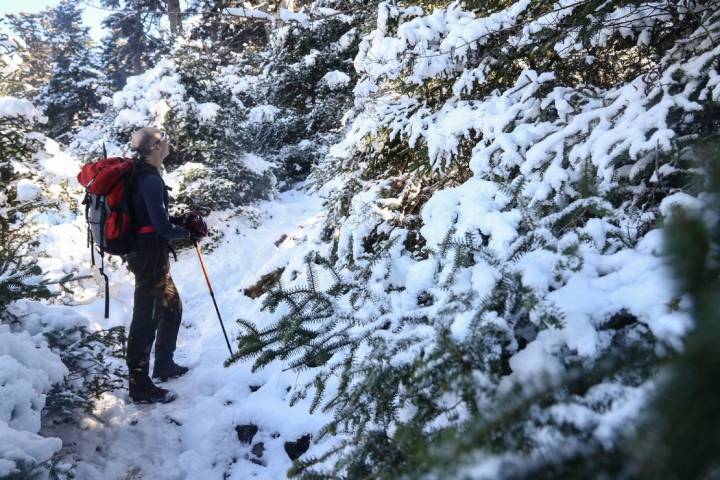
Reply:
x=195, y=437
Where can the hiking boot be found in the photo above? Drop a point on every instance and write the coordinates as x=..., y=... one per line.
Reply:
x=142, y=390
x=166, y=370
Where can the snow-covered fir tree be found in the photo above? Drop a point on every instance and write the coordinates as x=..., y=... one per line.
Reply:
x=225, y=32
x=499, y=186
x=11, y=78
x=71, y=94
x=132, y=42
x=19, y=276
x=31, y=45
x=668, y=445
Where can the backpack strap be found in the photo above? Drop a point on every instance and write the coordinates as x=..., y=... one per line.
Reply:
x=90, y=240
x=107, y=284
x=102, y=268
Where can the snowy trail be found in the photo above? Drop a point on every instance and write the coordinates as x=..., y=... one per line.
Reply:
x=194, y=437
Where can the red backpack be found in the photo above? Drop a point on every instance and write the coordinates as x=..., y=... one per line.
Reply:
x=111, y=229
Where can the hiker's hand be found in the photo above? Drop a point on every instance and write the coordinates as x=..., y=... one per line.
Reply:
x=180, y=220
x=193, y=222
x=195, y=225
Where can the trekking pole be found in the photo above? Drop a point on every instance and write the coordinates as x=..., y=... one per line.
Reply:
x=212, y=294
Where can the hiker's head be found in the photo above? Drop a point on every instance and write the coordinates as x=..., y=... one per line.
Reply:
x=151, y=145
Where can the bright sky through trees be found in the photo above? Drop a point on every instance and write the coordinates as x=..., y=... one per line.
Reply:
x=92, y=15
x=93, y=12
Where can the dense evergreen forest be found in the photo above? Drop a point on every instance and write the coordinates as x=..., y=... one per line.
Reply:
x=470, y=239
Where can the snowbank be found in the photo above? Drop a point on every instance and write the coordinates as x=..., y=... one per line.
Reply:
x=336, y=79
x=16, y=107
x=27, y=372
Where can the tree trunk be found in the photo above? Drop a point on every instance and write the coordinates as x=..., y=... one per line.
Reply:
x=173, y=8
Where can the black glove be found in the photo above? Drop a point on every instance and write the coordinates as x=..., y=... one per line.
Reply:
x=194, y=223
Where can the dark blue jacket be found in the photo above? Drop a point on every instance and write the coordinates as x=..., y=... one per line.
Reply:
x=150, y=201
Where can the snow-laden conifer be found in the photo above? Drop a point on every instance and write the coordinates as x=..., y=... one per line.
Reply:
x=491, y=251
x=29, y=52
x=71, y=95
x=132, y=42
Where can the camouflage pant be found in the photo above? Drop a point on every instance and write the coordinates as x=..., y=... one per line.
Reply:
x=157, y=306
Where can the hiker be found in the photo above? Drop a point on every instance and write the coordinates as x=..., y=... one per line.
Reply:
x=157, y=307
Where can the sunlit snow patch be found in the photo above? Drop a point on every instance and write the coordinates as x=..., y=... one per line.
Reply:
x=256, y=164
x=336, y=79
